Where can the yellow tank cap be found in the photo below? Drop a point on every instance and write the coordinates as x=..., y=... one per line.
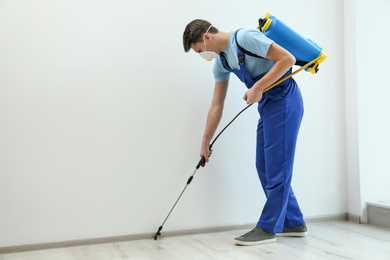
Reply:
x=267, y=14
x=267, y=24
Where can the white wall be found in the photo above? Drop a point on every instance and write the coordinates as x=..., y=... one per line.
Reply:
x=102, y=115
x=373, y=90
x=368, y=111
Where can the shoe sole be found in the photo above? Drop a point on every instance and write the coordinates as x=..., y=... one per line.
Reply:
x=292, y=234
x=243, y=243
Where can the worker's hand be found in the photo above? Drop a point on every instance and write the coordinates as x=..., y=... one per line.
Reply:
x=206, y=152
x=253, y=95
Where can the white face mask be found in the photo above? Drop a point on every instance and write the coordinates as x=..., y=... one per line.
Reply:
x=208, y=55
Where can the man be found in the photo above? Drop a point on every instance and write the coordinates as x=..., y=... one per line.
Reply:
x=280, y=109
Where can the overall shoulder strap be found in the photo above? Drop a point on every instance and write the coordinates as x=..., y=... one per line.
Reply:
x=245, y=51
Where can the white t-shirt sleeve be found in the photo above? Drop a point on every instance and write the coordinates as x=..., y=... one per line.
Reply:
x=220, y=73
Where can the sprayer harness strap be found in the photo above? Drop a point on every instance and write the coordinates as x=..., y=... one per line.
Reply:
x=298, y=62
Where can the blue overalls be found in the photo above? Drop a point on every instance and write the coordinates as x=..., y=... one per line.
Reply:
x=281, y=111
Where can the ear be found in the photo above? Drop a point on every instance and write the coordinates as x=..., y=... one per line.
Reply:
x=208, y=36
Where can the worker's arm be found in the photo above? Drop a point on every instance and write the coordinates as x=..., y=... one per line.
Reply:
x=214, y=117
x=284, y=60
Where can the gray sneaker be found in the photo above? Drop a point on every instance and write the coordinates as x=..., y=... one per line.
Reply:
x=255, y=237
x=298, y=231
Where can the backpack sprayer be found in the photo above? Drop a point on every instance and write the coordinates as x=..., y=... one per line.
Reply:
x=304, y=50
x=307, y=53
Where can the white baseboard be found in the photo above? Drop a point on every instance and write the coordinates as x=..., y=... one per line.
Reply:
x=379, y=214
x=130, y=237
x=324, y=218
x=354, y=218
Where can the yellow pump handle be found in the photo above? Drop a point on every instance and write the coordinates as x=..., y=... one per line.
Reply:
x=321, y=57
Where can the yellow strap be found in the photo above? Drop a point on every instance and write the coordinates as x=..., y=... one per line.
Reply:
x=295, y=72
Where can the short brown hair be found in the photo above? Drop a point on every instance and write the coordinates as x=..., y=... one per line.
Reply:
x=194, y=31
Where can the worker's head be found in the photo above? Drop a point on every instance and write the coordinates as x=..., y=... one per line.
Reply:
x=195, y=36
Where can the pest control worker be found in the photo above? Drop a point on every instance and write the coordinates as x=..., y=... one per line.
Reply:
x=280, y=109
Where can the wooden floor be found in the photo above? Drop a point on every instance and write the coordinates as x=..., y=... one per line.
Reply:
x=326, y=240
